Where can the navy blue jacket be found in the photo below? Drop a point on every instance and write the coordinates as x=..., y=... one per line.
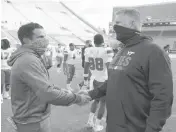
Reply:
x=139, y=90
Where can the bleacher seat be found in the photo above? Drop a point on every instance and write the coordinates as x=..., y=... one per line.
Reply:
x=59, y=23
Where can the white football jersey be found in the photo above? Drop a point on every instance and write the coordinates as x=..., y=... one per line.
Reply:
x=60, y=55
x=5, y=55
x=98, y=57
x=72, y=57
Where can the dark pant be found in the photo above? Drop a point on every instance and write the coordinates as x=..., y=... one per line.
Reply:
x=70, y=72
x=43, y=126
x=101, y=100
x=5, y=79
x=96, y=85
x=59, y=61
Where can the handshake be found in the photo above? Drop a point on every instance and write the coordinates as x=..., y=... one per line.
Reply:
x=82, y=97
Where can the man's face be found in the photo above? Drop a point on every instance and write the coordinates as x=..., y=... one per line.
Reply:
x=72, y=48
x=88, y=43
x=127, y=21
x=123, y=20
x=5, y=44
x=37, y=34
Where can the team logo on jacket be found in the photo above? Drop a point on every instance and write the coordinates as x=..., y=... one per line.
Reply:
x=123, y=61
x=130, y=53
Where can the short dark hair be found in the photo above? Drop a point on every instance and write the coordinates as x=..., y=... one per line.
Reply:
x=26, y=31
x=5, y=44
x=88, y=41
x=71, y=44
x=98, y=39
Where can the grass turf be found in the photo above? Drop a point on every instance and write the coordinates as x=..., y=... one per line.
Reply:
x=74, y=118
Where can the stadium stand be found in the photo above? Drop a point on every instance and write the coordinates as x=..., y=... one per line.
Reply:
x=62, y=25
x=160, y=12
x=159, y=22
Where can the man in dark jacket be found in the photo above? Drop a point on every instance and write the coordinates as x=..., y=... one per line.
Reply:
x=32, y=91
x=139, y=90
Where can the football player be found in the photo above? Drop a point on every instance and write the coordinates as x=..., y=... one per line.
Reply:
x=88, y=44
x=59, y=60
x=47, y=58
x=97, y=60
x=69, y=64
x=6, y=52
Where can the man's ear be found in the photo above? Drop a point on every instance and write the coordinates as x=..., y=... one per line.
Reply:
x=135, y=25
x=26, y=41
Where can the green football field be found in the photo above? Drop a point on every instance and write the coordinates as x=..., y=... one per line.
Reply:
x=74, y=118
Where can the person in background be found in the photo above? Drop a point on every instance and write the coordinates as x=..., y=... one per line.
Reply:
x=32, y=92
x=167, y=48
x=59, y=59
x=88, y=44
x=47, y=58
x=70, y=58
x=5, y=69
x=97, y=60
x=115, y=45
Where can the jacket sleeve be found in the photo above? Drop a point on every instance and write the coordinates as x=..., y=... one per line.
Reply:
x=98, y=92
x=34, y=76
x=161, y=88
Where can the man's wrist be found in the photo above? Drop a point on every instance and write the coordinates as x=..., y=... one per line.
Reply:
x=78, y=98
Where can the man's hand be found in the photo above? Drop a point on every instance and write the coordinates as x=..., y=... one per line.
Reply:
x=84, y=98
x=83, y=91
